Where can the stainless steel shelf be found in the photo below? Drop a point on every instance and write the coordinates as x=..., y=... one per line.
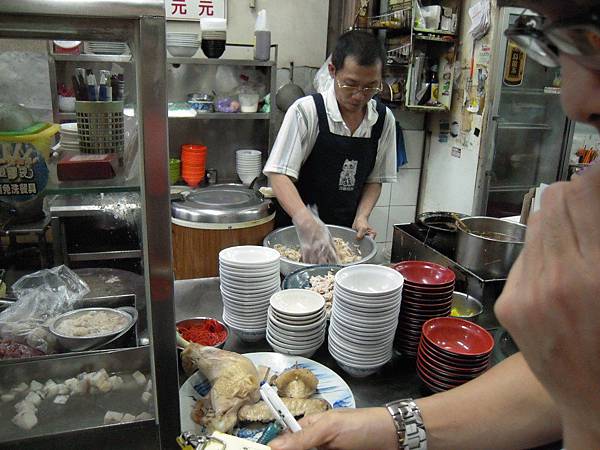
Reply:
x=524, y=126
x=90, y=58
x=446, y=39
x=66, y=116
x=221, y=62
x=442, y=32
x=104, y=256
x=427, y=108
x=117, y=184
x=509, y=188
x=530, y=91
x=226, y=116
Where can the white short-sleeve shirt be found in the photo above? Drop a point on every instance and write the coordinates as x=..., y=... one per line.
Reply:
x=300, y=127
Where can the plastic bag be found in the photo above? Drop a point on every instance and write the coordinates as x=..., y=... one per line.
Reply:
x=323, y=81
x=41, y=296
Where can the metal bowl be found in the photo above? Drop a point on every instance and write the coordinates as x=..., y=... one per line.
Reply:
x=287, y=236
x=81, y=343
x=300, y=279
x=182, y=343
x=465, y=306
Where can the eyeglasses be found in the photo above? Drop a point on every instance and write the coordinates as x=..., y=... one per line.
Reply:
x=352, y=90
x=578, y=37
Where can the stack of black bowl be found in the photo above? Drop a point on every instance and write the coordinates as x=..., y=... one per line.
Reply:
x=213, y=43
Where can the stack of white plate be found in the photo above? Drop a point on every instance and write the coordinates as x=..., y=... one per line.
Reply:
x=107, y=48
x=249, y=276
x=364, y=317
x=69, y=139
x=248, y=165
x=183, y=44
x=297, y=322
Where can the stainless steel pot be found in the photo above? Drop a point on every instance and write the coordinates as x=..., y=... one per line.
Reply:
x=441, y=230
x=488, y=246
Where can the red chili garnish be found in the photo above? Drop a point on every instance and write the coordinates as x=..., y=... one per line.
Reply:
x=210, y=332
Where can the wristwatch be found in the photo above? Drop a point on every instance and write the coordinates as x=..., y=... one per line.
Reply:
x=409, y=424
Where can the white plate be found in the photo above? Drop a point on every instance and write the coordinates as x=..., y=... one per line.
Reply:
x=297, y=302
x=331, y=388
x=311, y=327
x=249, y=255
x=300, y=320
x=304, y=344
x=369, y=279
x=249, y=269
x=290, y=336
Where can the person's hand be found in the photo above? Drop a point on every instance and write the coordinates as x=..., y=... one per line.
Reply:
x=362, y=227
x=315, y=240
x=342, y=429
x=551, y=301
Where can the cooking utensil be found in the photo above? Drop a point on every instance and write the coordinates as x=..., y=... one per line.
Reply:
x=488, y=246
x=288, y=93
x=441, y=230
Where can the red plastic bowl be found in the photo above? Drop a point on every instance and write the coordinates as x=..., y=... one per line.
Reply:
x=428, y=293
x=458, y=336
x=432, y=359
x=429, y=289
x=457, y=362
x=429, y=380
x=423, y=272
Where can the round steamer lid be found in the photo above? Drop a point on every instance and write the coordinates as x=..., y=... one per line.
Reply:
x=222, y=203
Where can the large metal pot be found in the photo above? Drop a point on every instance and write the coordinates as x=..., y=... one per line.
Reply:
x=441, y=230
x=488, y=246
x=289, y=237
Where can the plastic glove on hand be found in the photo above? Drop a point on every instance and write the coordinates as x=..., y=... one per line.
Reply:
x=316, y=242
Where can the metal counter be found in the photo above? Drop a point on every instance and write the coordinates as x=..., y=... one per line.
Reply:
x=397, y=379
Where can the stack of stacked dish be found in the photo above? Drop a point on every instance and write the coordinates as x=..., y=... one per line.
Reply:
x=248, y=165
x=107, y=48
x=297, y=322
x=214, y=36
x=427, y=294
x=366, y=303
x=69, y=139
x=182, y=44
x=451, y=352
x=249, y=277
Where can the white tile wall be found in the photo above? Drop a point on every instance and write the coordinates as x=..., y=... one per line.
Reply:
x=413, y=141
x=379, y=221
x=399, y=214
x=397, y=202
x=406, y=190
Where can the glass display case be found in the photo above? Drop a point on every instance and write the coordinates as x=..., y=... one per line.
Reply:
x=119, y=390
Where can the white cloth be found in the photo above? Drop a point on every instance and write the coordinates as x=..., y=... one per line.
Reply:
x=300, y=127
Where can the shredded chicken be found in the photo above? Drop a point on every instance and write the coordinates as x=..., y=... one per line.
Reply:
x=323, y=284
x=345, y=253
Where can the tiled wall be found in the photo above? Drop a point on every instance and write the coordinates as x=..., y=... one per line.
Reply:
x=398, y=202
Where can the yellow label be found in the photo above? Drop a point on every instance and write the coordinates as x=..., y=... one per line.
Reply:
x=514, y=66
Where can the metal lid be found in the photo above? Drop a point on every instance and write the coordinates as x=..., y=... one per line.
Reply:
x=222, y=203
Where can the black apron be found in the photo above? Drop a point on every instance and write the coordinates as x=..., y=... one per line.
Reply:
x=335, y=172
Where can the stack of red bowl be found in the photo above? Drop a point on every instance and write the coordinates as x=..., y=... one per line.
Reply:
x=193, y=163
x=427, y=293
x=452, y=351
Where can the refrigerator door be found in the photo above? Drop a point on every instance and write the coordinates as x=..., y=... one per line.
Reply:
x=530, y=128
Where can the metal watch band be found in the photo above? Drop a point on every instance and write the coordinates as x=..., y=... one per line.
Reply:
x=409, y=424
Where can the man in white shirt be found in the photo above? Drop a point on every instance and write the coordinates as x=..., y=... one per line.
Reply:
x=334, y=150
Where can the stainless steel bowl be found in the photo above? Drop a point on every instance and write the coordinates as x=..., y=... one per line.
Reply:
x=287, y=236
x=81, y=343
x=182, y=343
x=466, y=306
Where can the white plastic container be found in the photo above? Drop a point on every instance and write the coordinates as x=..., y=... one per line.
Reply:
x=249, y=103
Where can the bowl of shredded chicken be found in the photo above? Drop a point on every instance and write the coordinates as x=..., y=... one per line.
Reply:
x=84, y=328
x=349, y=250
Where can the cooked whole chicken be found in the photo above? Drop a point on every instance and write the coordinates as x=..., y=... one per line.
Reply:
x=234, y=381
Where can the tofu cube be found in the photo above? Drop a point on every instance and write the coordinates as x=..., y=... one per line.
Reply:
x=139, y=378
x=25, y=420
x=112, y=417
x=128, y=418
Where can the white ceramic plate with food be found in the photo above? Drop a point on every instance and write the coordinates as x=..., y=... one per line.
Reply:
x=331, y=388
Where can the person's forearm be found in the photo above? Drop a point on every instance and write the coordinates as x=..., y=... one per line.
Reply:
x=505, y=408
x=370, y=195
x=286, y=193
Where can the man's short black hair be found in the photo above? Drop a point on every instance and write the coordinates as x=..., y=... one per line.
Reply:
x=361, y=45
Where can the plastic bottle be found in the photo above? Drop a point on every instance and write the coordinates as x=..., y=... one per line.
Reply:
x=262, y=37
x=435, y=85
